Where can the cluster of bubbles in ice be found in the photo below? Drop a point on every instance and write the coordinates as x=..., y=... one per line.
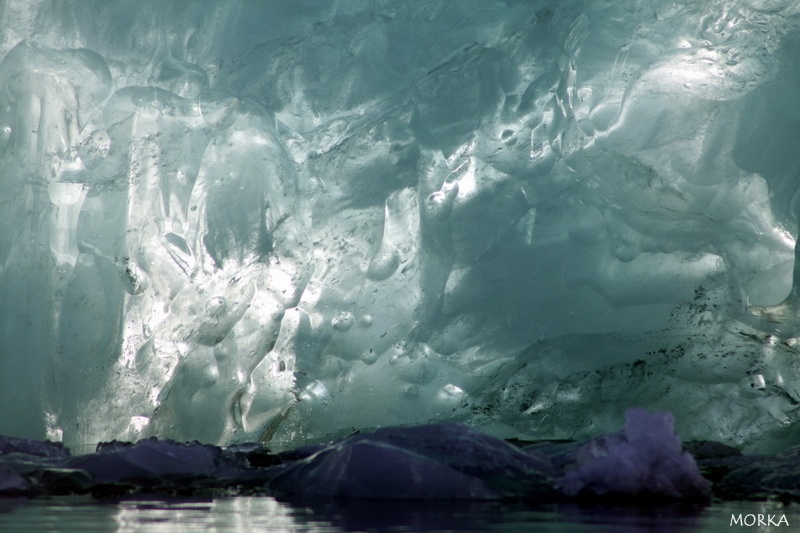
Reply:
x=230, y=221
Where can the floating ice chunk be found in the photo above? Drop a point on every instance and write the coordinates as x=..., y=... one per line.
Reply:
x=38, y=448
x=377, y=470
x=149, y=458
x=11, y=482
x=646, y=459
x=447, y=461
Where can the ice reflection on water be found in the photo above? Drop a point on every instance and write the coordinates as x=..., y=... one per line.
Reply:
x=245, y=514
x=234, y=514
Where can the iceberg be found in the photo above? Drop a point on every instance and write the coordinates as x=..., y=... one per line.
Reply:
x=646, y=459
x=426, y=462
x=284, y=222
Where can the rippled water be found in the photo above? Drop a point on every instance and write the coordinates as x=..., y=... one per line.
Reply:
x=267, y=514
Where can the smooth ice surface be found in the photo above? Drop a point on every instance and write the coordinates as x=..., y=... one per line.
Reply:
x=281, y=221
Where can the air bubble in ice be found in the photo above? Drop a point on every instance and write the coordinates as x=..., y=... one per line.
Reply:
x=383, y=265
x=134, y=279
x=315, y=391
x=343, y=321
x=216, y=306
x=369, y=356
x=439, y=204
x=450, y=395
x=412, y=364
x=754, y=385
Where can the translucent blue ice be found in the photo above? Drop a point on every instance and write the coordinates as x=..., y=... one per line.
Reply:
x=282, y=221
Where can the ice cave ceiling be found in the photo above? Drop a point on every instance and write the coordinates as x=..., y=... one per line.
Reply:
x=240, y=220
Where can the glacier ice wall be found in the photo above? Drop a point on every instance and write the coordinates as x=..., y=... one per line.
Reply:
x=234, y=220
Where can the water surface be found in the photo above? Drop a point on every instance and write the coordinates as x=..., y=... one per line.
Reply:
x=244, y=514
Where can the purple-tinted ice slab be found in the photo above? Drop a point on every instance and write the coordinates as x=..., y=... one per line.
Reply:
x=447, y=461
x=11, y=482
x=150, y=458
x=646, y=459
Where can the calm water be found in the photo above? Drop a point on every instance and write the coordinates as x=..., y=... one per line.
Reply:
x=266, y=514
